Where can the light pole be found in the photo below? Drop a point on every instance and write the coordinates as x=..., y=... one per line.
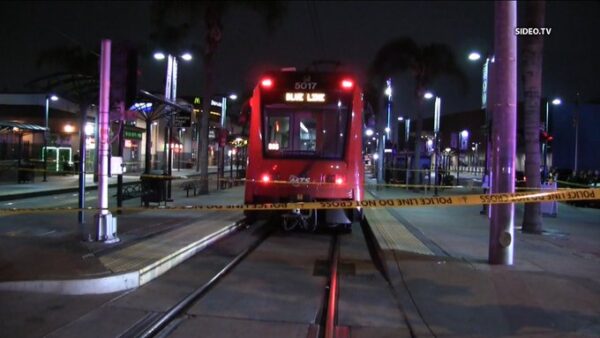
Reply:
x=576, y=122
x=386, y=132
x=436, y=131
x=44, y=152
x=476, y=157
x=367, y=142
x=406, y=139
x=232, y=97
x=170, y=96
x=462, y=139
x=556, y=101
x=388, y=93
x=485, y=103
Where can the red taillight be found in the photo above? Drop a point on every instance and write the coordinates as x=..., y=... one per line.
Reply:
x=337, y=179
x=266, y=82
x=265, y=178
x=347, y=84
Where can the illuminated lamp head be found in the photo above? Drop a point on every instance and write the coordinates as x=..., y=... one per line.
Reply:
x=266, y=83
x=347, y=84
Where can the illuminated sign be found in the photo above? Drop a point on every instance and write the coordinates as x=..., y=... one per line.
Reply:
x=304, y=97
x=132, y=134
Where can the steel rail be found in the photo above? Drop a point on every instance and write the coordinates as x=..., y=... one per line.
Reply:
x=331, y=319
x=157, y=325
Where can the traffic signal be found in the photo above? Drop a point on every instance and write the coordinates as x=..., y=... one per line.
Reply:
x=545, y=136
x=123, y=76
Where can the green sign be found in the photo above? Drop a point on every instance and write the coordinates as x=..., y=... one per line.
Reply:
x=132, y=134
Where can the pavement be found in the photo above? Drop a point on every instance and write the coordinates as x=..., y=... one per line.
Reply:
x=435, y=257
x=43, y=251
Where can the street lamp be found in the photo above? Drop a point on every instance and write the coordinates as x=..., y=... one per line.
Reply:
x=50, y=97
x=555, y=102
x=170, y=96
x=385, y=136
x=463, y=139
x=489, y=60
x=474, y=56
x=223, y=140
x=436, y=131
x=186, y=56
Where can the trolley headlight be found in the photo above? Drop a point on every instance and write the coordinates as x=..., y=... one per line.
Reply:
x=265, y=178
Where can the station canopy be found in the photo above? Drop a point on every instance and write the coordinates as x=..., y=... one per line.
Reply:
x=12, y=126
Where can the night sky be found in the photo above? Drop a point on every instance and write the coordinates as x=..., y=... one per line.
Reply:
x=351, y=32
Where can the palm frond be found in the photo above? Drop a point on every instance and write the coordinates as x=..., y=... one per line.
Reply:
x=439, y=60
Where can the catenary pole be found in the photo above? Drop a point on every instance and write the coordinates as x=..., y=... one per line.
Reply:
x=106, y=225
x=504, y=132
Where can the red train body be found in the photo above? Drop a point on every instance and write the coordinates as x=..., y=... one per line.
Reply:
x=305, y=144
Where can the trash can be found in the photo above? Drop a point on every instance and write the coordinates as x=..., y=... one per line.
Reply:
x=154, y=188
x=26, y=173
x=549, y=208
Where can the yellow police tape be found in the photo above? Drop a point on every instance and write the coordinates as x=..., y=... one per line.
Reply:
x=425, y=201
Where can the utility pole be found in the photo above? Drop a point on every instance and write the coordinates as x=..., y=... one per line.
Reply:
x=504, y=132
x=106, y=224
x=436, y=131
x=576, y=122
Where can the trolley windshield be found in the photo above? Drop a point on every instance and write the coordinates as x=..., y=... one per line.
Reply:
x=296, y=131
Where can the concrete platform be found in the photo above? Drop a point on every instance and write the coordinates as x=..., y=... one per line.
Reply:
x=64, y=265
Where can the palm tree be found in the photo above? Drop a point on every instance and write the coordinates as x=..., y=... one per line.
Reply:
x=532, y=83
x=211, y=14
x=424, y=63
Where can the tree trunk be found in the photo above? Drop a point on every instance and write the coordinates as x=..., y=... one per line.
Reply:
x=532, y=84
x=504, y=132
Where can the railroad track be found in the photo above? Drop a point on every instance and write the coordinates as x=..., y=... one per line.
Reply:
x=323, y=324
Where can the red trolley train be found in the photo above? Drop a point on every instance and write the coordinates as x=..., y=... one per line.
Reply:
x=305, y=144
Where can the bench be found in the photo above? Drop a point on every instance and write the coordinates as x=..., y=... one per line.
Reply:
x=131, y=191
x=190, y=185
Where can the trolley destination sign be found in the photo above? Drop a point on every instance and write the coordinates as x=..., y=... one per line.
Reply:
x=304, y=97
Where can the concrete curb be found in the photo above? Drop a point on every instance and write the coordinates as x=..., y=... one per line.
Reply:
x=121, y=281
x=417, y=326
x=56, y=191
